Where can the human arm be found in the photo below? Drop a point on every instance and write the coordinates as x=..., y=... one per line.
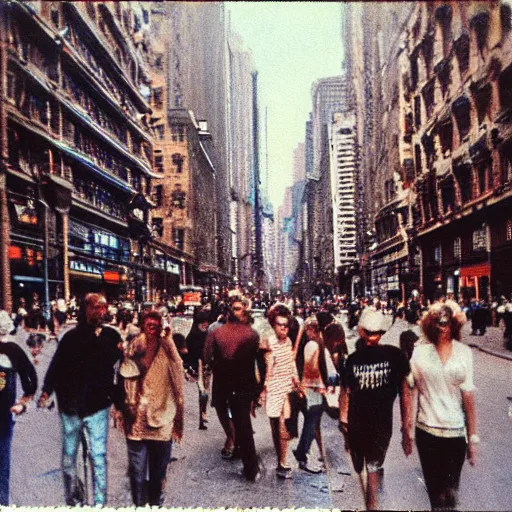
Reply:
x=406, y=400
x=28, y=377
x=468, y=404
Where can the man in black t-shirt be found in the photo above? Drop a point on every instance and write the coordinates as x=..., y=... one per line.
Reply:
x=373, y=377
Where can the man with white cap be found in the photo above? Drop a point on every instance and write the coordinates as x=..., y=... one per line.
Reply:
x=13, y=361
x=373, y=376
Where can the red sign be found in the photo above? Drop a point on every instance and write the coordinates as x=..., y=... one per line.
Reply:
x=192, y=298
x=111, y=277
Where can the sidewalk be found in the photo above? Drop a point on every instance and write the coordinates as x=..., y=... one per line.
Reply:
x=491, y=342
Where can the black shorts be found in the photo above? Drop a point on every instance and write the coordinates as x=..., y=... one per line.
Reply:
x=369, y=449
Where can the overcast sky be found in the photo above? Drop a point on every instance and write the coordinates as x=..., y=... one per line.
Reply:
x=293, y=44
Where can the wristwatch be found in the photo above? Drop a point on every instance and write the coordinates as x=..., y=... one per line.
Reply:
x=474, y=439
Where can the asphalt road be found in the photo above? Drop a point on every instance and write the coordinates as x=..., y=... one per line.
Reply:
x=200, y=478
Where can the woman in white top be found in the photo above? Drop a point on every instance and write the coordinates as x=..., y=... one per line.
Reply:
x=281, y=378
x=442, y=371
x=318, y=367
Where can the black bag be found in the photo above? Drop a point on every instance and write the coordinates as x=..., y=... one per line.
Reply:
x=297, y=404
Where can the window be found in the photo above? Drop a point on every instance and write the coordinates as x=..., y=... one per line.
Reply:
x=464, y=179
x=438, y=254
x=480, y=239
x=159, y=62
x=177, y=160
x=178, y=133
x=158, y=97
x=178, y=237
x=417, y=111
x=483, y=177
x=506, y=163
x=160, y=131
x=462, y=52
x=11, y=85
x=462, y=110
x=55, y=17
x=159, y=163
x=158, y=194
x=178, y=197
x=457, y=248
x=158, y=226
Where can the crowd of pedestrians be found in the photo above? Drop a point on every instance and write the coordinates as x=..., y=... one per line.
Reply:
x=296, y=361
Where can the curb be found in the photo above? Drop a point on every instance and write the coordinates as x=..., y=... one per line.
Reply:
x=491, y=352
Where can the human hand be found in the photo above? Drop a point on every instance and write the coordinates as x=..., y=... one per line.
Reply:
x=43, y=399
x=406, y=442
x=18, y=409
x=472, y=453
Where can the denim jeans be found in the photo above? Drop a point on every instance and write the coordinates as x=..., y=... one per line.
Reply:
x=5, y=460
x=312, y=418
x=96, y=426
x=152, y=454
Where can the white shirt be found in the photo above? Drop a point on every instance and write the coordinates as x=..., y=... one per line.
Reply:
x=440, y=388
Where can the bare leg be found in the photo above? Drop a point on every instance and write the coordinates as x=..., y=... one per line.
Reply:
x=372, y=490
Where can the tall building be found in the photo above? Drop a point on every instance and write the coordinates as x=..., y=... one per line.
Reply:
x=329, y=96
x=199, y=81
x=76, y=146
x=241, y=156
x=344, y=169
x=299, y=162
x=371, y=35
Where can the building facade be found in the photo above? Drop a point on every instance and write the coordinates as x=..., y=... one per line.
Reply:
x=76, y=149
x=458, y=77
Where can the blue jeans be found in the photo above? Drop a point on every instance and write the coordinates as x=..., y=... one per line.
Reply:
x=5, y=460
x=312, y=417
x=152, y=454
x=96, y=426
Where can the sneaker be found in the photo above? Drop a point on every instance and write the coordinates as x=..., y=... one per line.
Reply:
x=284, y=472
x=309, y=469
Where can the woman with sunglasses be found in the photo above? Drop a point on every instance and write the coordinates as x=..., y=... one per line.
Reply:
x=281, y=378
x=442, y=371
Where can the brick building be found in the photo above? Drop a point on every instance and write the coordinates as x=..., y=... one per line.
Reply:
x=76, y=149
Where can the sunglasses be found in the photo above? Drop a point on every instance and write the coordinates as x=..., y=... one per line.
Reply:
x=237, y=308
x=282, y=325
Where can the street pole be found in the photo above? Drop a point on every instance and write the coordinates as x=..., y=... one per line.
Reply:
x=65, y=248
x=46, y=302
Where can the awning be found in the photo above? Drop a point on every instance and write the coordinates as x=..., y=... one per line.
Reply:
x=480, y=270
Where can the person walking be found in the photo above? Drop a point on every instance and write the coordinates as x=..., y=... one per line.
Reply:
x=82, y=375
x=281, y=379
x=373, y=376
x=232, y=351
x=153, y=411
x=13, y=362
x=317, y=370
x=446, y=430
x=200, y=370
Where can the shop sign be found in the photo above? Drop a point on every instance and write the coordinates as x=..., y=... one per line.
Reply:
x=393, y=283
x=110, y=276
x=80, y=266
x=15, y=252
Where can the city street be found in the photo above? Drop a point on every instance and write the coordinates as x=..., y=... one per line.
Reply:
x=200, y=478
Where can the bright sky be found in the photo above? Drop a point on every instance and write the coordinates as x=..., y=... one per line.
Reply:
x=293, y=44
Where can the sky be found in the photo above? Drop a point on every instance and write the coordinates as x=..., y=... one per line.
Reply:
x=293, y=44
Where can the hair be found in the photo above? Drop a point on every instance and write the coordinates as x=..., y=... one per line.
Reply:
x=179, y=341
x=324, y=319
x=334, y=337
x=87, y=301
x=430, y=326
x=407, y=340
x=155, y=315
x=278, y=310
